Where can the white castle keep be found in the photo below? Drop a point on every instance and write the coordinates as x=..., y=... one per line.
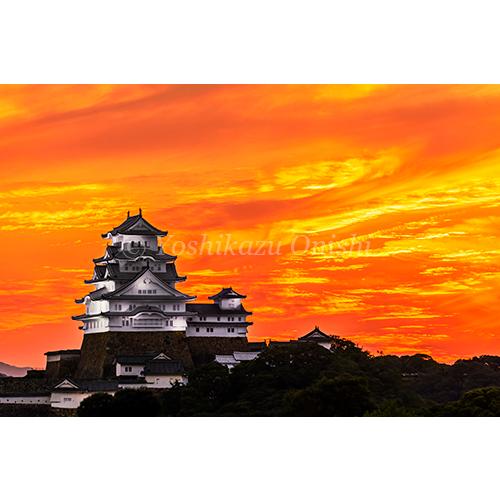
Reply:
x=136, y=290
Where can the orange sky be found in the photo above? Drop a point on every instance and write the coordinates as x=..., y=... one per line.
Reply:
x=406, y=175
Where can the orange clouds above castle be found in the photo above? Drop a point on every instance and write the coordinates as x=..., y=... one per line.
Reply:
x=400, y=183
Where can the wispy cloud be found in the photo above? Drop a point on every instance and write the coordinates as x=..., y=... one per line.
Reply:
x=400, y=193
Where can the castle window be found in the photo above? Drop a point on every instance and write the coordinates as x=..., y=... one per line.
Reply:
x=197, y=329
x=218, y=318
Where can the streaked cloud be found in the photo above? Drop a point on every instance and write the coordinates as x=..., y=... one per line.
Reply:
x=396, y=187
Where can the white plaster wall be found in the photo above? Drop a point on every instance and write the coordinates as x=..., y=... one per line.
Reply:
x=109, y=284
x=25, y=400
x=165, y=381
x=163, y=306
x=223, y=319
x=137, y=261
x=178, y=324
x=125, y=240
x=219, y=331
x=136, y=370
x=96, y=325
x=71, y=400
x=97, y=306
x=58, y=357
x=143, y=284
x=229, y=304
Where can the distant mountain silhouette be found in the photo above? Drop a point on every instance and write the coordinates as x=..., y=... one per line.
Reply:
x=12, y=371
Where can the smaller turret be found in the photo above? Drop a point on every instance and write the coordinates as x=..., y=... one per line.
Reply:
x=228, y=299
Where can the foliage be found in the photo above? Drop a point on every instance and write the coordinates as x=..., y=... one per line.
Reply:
x=304, y=379
x=97, y=405
x=342, y=396
x=483, y=402
x=125, y=403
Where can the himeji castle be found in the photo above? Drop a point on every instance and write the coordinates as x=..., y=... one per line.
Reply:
x=136, y=289
x=140, y=330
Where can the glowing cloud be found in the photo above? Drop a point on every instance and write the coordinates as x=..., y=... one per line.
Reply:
x=396, y=189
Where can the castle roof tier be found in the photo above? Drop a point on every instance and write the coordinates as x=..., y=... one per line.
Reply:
x=115, y=252
x=315, y=334
x=112, y=271
x=218, y=323
x=135, y=225
x=132, y=313
x=163, y=367
x=227, y=293
x=154, y=287
x=215, y=310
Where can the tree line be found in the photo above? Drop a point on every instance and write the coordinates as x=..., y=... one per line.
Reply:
x=304, y=379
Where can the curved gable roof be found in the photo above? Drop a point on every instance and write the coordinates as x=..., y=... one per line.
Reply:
x=227, y=293
x=315, y=334
x=148, y=274
x=136, y=225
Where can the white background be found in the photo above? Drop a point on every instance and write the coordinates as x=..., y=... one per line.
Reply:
x=110, y=41
x=231, y=41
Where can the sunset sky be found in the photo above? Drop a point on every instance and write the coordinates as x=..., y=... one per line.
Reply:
x=401, y=183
